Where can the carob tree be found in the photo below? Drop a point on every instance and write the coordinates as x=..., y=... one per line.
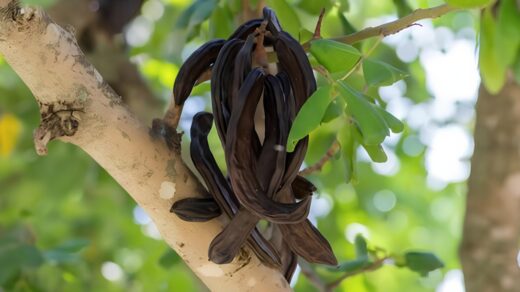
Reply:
x=263, y=181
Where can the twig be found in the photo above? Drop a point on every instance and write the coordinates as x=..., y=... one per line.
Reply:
x=173, y=115
x=371, y=267
x=317, y=31
x=319, y=165
x=392, y=27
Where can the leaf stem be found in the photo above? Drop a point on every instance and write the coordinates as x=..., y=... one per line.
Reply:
x=362, y=58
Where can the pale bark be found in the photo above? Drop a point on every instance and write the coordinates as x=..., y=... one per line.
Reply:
x=77, y=106
x=492, y=225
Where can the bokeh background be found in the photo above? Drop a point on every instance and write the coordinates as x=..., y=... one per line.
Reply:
x=65, y=225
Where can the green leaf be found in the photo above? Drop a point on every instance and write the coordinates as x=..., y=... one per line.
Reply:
x=372, y=126
x=347, y=27
x=314, y=7
x=469, y=3
x=491, y=69
x=344, y=5
x=422, y=262
x=376, y=153
x=395, y=125
x=352, y=265
x=361, y=247
x=184, y=18
x=15, y=256
x=66, y=252
x=402, y=8
x=221, y=22
x=379, y=73
x=335, y=110
x=335, y=56
x=73, y=245
x=310, y=115
x=348, y=151
x=305, y=35
x=507, y=36
x=289, y=20
x=60, y=257
x=197, y=13
x=169, y=259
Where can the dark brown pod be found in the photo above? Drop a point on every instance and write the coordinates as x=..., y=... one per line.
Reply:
x=227, y=243
x=293, y=60
x=302, y=187
x=243, y=63
x=199, y=62
x=246, y=29
x=196, y=209
x=304, y=239
x=219, y=187
x=289, y=96
x=221, y=84
x=241, y=159
x=273, y=25
x=271, y=162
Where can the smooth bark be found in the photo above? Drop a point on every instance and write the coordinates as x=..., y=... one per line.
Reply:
x=78, y=107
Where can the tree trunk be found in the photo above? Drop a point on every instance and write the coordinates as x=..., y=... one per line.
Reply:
x=491, y=236
x=79, y=107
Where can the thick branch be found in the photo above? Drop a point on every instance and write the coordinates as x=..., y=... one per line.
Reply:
x=77, y=106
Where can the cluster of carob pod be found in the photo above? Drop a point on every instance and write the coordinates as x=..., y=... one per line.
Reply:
x=263, y=181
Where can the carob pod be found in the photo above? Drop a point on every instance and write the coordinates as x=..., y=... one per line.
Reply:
x=271, y=162
x=224, y=196
x=264, y=177
x=289, y=97
x=247, y=28
x=270, y=173
x=219, y=187
x=221, y=84
x=293, y=60
x=196, y=209
x=241, y=159
x=197, y=63
x=243, y=65
x=304, y=239
x=302, y=187
x=226, y=245
x=297, y=78
x=273, y=25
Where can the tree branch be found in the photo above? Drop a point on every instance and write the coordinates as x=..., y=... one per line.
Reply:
x=77, y=106
x=392, y=27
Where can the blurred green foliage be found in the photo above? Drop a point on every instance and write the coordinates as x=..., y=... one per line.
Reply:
x=65, y=225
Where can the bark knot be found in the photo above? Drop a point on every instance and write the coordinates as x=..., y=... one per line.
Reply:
x=57, y=120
